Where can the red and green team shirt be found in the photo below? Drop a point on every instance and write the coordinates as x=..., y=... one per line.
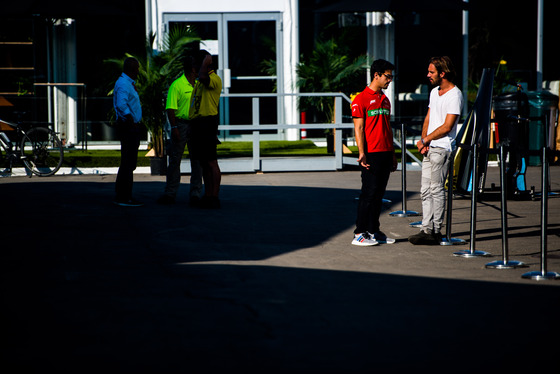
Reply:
x=375, y=108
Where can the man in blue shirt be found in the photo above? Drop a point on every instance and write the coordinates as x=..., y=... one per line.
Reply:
x=129, y=113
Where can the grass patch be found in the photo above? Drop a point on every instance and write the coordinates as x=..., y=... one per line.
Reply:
x=271, y=148
x=77, y=158
x=111, y=158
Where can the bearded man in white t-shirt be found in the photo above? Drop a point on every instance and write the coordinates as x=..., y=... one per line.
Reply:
x=437, y=145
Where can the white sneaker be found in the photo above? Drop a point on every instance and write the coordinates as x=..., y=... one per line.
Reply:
x=364, y=240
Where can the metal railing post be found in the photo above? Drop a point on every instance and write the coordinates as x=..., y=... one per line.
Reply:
x=474, y=188
x=403, y=212
x=543, y=274
x=504, y=263
x=338, y=151
x=448, y=240
x=256, y=135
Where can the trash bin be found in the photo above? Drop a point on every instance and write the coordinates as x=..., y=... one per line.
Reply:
x=543, y=109
x=511, y=115
x=511, y=110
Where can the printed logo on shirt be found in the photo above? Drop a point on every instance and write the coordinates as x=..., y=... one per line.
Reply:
x=377, y=112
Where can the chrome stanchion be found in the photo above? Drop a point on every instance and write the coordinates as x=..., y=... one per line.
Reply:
x=403, y=212
x=472, y=252
x=417, y=224
x=448, y=240
x=504, y=263
x=543, y=274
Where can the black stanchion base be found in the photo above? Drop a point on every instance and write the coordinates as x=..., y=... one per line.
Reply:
x=505, y=265
x=401, y=213
x=417, y=224
x=384, y=201
x=468, y=254
x=539, y=275
x=452, y=241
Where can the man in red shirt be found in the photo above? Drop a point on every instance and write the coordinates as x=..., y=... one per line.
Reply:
x=371, y=111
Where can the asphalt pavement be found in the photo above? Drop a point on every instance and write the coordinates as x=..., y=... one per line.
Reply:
x=269, y=283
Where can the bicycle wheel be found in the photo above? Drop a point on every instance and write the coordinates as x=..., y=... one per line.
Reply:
x=41, y=151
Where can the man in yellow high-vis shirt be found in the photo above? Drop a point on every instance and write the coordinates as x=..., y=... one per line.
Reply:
x=177, y=107
x=203, y=114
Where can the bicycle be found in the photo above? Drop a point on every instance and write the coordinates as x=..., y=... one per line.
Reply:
x=38, y=148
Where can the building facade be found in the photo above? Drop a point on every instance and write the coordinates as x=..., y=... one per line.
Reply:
x=241, y=35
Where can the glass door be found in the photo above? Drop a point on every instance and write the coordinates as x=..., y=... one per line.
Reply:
x=254, y=49
x=246, y=48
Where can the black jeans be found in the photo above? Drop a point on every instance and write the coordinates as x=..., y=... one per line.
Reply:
x=129, y=136
x=374, y=183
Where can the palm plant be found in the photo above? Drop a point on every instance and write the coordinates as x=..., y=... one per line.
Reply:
x=328, y=69
x=158, y=69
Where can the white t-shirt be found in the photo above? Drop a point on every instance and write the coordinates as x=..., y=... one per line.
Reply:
x=450, y=102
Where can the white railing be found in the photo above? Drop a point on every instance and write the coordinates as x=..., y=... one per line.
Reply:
x=256, y=127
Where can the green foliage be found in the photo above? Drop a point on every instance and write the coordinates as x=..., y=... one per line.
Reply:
x=328, y=69
x=503, y=79
x=268, y=66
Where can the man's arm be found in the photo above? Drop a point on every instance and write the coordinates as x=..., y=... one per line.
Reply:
x=443, y=130
x=360, y=141
x=175, y=135
x=203, y=76
x=423, y=148
x=121, y=104
x=426, y=124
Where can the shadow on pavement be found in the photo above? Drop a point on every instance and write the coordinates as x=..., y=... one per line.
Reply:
x=91, y=287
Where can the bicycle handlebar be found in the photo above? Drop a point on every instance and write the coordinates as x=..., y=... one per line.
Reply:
x=14, y=125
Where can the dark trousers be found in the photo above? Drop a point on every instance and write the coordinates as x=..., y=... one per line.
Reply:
x=129, y=136
x=374, y=183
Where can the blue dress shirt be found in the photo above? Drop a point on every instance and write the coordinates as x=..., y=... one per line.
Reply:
x=126, y=100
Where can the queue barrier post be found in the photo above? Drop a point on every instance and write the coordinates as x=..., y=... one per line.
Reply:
x=403, y=212
x=448, y=240
x=543, y=274
x=472, y=252
x=505, y=263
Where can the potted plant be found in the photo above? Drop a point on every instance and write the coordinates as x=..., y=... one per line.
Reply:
x=328, y=69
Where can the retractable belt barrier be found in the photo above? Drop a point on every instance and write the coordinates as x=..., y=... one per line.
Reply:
x=543, y=274
x=403, y=212
x=472, y=252
x=448, y=240
x=505, y=263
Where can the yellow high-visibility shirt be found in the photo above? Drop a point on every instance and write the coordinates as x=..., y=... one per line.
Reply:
x=205, y=99
x=179, y=97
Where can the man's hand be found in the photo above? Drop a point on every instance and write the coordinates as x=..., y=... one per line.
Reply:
x=422, y=148
x=129, y=119
x=175, y=135
x=360, y=142
x=207, y=61
x=362, y=160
